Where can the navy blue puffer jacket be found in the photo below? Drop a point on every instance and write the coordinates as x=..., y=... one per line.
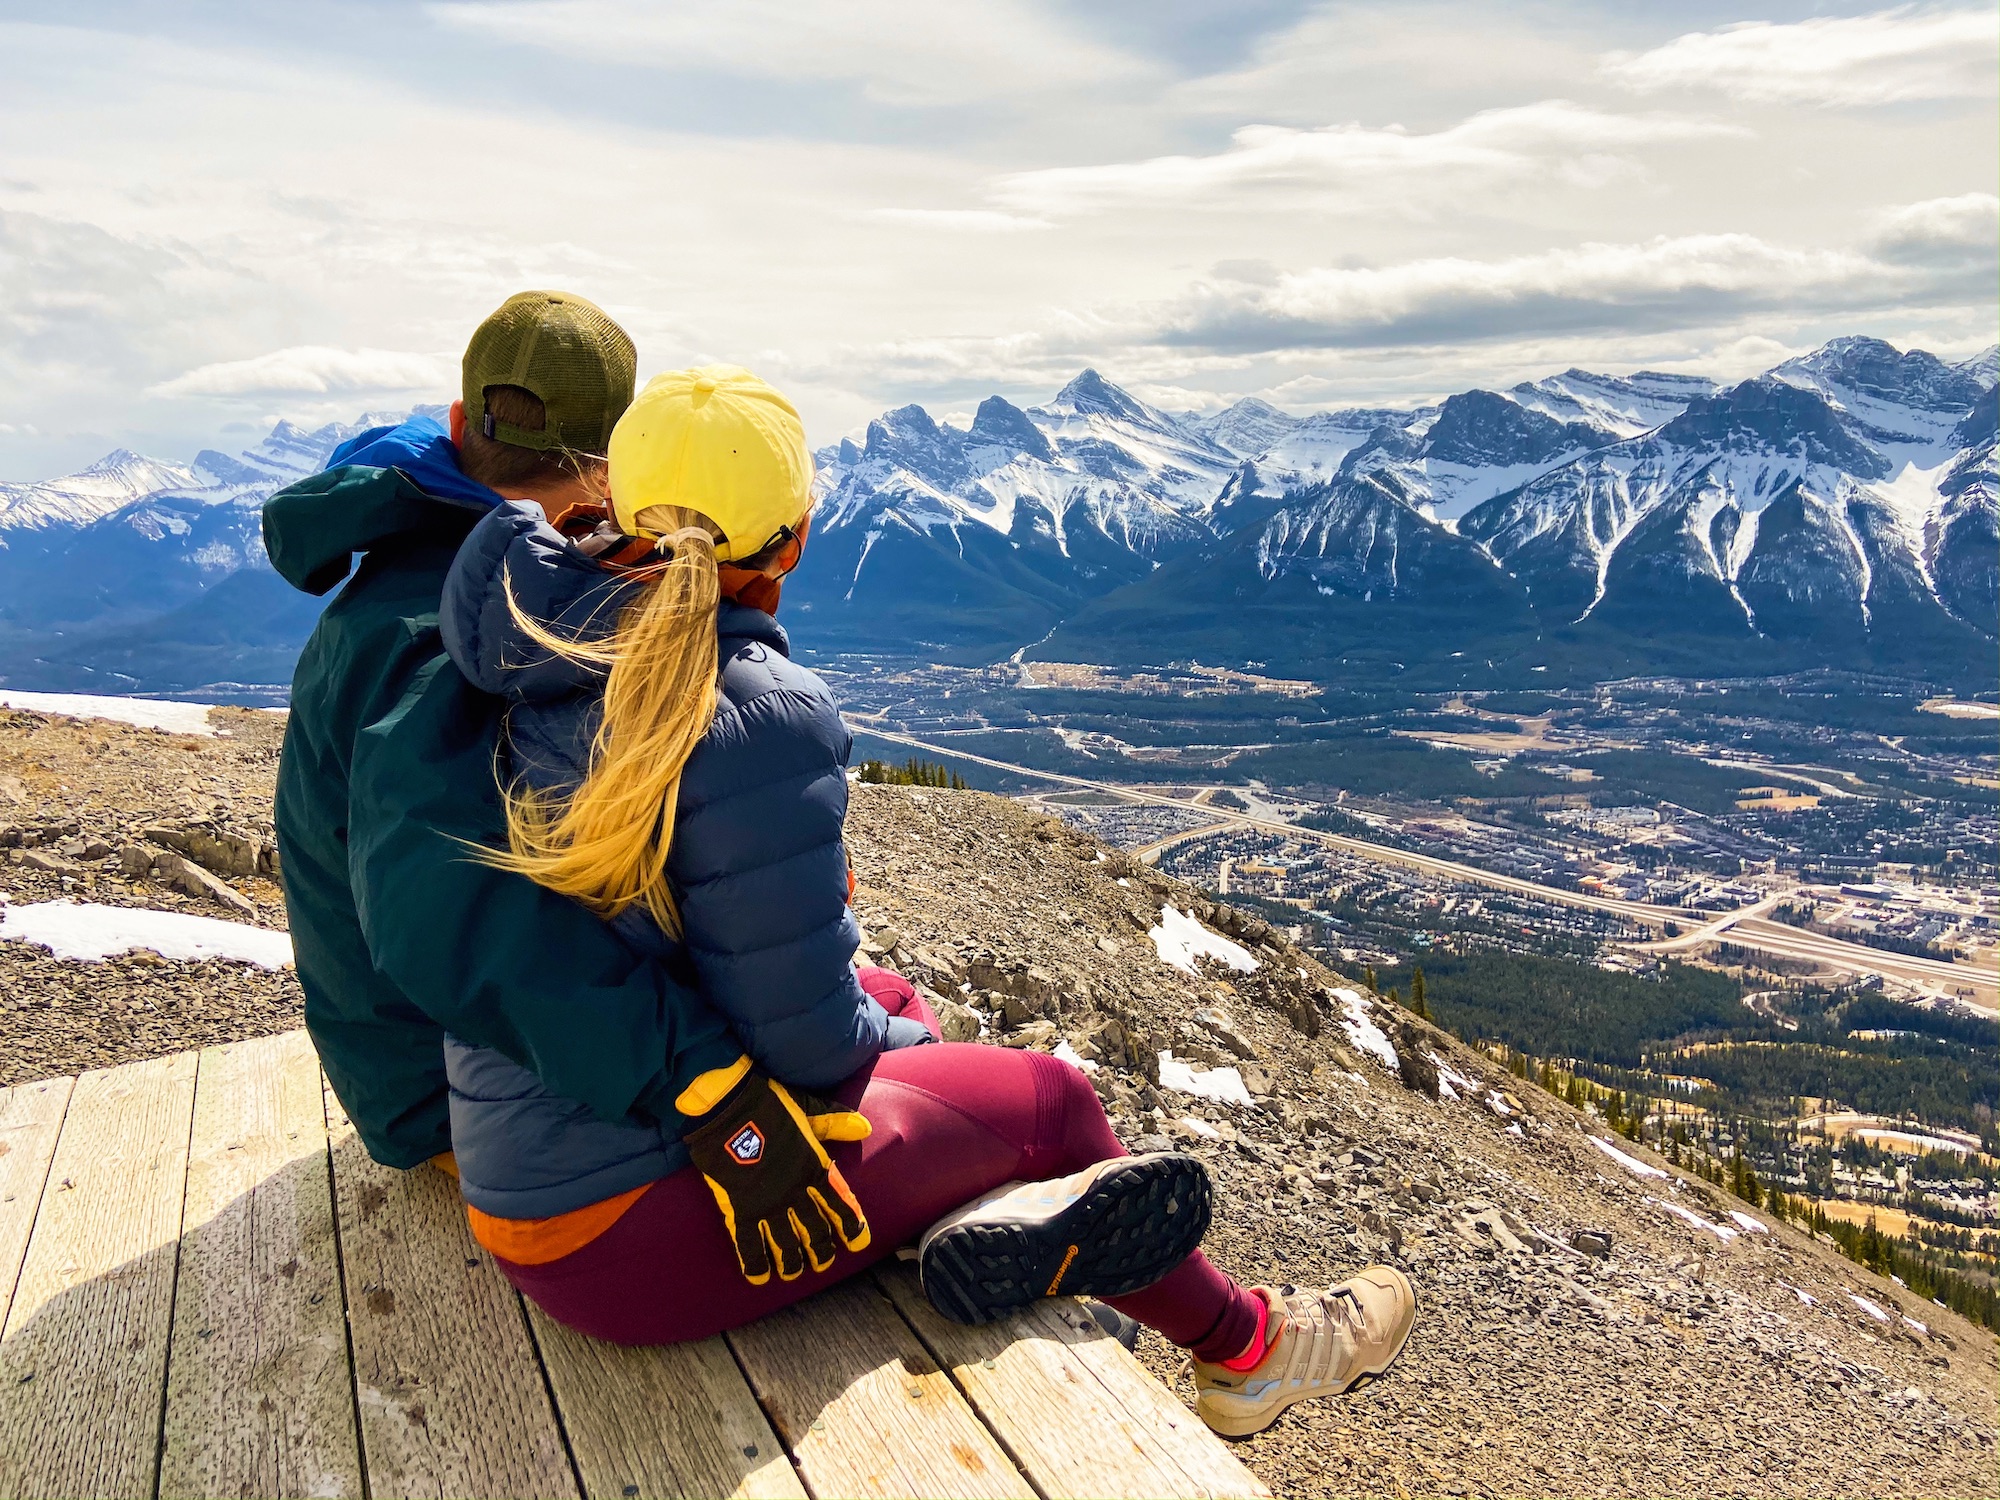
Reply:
x=757, y=865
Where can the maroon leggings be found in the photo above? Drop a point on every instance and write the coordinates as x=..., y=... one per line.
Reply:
x=951, y=1122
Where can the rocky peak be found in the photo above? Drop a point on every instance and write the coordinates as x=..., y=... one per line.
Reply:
x=909, y=438
x=1874, y=367
x=1249, y=427
x=999, y=423
x=1766, y=414
x=1980, y=422
x=1484, y=427
x=1091, y=394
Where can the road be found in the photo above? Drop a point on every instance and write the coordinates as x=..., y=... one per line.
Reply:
x=1745, y=926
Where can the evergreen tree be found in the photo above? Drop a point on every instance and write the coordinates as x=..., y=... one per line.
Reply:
x=1368, y=978
x=1417, y=1003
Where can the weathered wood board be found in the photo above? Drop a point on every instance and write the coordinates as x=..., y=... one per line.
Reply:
x=450, y=1392
x=30, y=1117
x=83, y=1358
x=675, y=1421
x=864, y=1409
x=1074, y=1410
x=207, y=1288
x=260, y=1401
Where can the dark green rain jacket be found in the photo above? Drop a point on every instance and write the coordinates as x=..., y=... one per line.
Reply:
x=387, y=773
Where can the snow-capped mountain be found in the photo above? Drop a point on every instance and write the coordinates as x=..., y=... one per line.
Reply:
x=135, y=573
x=1841, y=509
x=1837, y=511
x=932, y=534
x=114, y=481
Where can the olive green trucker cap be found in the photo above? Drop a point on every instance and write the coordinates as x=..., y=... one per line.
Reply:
x=566, y=351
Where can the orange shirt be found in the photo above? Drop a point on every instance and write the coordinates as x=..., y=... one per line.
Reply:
x=536, y=1242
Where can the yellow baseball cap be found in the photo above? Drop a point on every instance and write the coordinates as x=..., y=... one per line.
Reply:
x=719, y=441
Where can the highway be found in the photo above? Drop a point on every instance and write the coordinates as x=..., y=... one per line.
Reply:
x=1745, y=926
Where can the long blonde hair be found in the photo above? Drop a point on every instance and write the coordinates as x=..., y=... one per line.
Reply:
x=605, y=841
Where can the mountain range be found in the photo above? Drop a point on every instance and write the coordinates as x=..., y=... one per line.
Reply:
x=1839, y=510
x=135, y=575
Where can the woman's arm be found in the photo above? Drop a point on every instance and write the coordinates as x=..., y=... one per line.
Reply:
x=760, y=872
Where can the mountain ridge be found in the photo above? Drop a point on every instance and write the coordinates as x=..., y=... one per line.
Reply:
x=1837, y=510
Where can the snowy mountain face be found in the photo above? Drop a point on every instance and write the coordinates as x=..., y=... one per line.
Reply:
x=1810, y=503
x=1248, y=428
x=1842, y=509
x=1839, y=510
x=132, y=550
x=1016, y=518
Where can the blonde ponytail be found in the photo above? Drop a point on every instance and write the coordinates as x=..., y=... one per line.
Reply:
x=605, y=843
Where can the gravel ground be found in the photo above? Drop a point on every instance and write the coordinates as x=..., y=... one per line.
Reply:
x=1680, y=1364
x=98, y=784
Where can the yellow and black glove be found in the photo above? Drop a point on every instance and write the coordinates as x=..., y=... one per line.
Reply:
x=783, y=1200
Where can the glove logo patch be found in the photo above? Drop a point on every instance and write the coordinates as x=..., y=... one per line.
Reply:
x=747, y=1146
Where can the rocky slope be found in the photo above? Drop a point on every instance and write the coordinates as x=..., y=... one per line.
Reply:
x=1593, y=1323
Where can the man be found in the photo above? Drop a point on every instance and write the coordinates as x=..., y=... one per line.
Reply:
x=388, y=767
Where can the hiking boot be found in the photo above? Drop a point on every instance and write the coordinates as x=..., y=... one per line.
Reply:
x=1316, y=1344
x=1108, y=1230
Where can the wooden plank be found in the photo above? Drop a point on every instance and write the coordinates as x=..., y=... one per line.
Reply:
x=672, y=1421
x=30, y=1116
x=260, y=1399
x=863, y=1408
x=84, y=1353
x=450, y=1392
x=1079, y=1414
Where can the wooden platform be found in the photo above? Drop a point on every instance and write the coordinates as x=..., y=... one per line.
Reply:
x=207, y=1288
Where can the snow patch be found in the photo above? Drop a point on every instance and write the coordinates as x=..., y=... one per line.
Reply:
x=1363, y=1032
x=1073, y=1057
x=1750, y=1225
x=1180, y=940
x=91, y=933
x=1451, y=1082
x=1223, y=1085
x=1631, y=1164
x=1874, y=1310
x=145, y=713
x=1721, y=1231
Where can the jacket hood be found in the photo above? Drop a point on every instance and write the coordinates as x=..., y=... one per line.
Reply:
x=561, y=589
x=422, y=450
x=398, y=484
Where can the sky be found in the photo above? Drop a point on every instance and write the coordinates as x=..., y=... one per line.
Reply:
x=215, y=215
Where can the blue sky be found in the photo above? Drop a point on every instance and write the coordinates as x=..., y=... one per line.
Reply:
x=212, y=215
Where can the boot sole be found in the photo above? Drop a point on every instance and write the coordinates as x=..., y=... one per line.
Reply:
x=1143, y=1216
x=1250, y=1423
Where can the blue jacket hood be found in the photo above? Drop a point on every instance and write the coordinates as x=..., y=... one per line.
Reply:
x=423, y=450
x=558, y=587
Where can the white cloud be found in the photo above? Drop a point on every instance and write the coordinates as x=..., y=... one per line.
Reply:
x=1686, y=280
x=905, y=52
x=1883, y=58
x=1940, y=231
x=959, y=220
x=1493, y=150
x=311, y=370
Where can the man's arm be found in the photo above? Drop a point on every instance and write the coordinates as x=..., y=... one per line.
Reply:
x=491, y=956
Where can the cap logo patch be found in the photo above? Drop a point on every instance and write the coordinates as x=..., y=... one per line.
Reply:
x=747, y=1146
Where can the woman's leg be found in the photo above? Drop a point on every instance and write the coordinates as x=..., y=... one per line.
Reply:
x=950, y=1122
x=899, y=997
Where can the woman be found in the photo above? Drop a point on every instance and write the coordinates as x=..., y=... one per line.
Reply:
x=674, y=770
